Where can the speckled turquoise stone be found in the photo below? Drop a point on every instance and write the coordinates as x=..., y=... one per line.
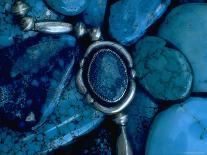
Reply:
x=32, y=77
x=140, y=116
x=95, y=12
x=181, y=129
x=129, y=19
x=10, y=31
x=108, y=75
x=68, y=7
x=71, y=118
x=185, y=27
x=164, y=72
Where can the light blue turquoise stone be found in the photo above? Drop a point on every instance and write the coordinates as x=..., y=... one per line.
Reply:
x=95, y=12
x=181, y=129
x=10, y=31
x=68, y=7
x=108, y=76
x=129, y=19
x=164, y=72
x=185, y=27
x=140, y=115
x=71, y=118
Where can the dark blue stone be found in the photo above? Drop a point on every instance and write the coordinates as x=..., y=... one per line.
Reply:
x=108, y=76
x=68, y=7
x=95, y=12
x=33, y=77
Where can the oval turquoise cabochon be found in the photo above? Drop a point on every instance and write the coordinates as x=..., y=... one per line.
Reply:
x=107, y=75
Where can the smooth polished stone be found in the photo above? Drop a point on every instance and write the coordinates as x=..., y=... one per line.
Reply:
x=164, y=72
x=33, y=76
x=71, y=118
x=107, y=75
x=140, y=115
x=10, y=31
x=186, y=27
x=68, y=7
x=129, y=19
x=181, y=129
x=95, y=12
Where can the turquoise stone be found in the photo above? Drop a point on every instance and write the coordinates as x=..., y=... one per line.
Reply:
x=33, y=76
x=68, y=7
x=181, y=129
x=185, y=27
x=10, y=31
x=95, y=12
x=164, y=72
x=140, y=116
x=129, y=19
x=107, y=75
x=71, y=118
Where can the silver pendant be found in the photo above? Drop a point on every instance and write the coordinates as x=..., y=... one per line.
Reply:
x=88, y=84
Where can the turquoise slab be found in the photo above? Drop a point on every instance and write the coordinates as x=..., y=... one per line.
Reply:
x=164, y=72
x=185, y=27
x=107, y=75
x=10, y=32
x=129, y=19
x=68, y=7
x=71, y=118
x=32, y=77
x=181, y=129
x=140, y=115
x=95, y=12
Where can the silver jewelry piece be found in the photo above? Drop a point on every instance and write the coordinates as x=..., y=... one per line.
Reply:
x=80, y=30
x=95, y=34
x=20, y=8
x=123, y=146
x=28, y=24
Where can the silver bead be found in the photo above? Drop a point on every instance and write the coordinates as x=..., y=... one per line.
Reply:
x=95, y=34
x=20, y=8
x=80, y=30
x=27, y=23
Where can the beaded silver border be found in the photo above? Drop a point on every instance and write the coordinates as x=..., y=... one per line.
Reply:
x=132, y=85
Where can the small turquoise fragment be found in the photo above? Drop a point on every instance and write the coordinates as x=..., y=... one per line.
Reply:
x=108, y=76
x=164, y=72
x=95, y=12
x=68, y=7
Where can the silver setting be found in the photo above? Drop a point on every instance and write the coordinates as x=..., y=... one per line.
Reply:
x=27, y=23
x=80, y=30
x=95, y=34
x=129, y=95
x=20, y=8
x=53, y=27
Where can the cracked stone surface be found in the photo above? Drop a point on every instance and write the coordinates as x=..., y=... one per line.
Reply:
x=164, y=72
x=186, y=28
x=180, y=129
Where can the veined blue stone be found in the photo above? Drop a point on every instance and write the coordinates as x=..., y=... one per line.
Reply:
x=95, y=12
x=68, y=7
x=181, y=129
x=185, y=27
x=164, y=72
x=10, y=32
x=129, y=19
x=107, y=75
x=71, y=118
x=140, y=115
x=32, y=79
